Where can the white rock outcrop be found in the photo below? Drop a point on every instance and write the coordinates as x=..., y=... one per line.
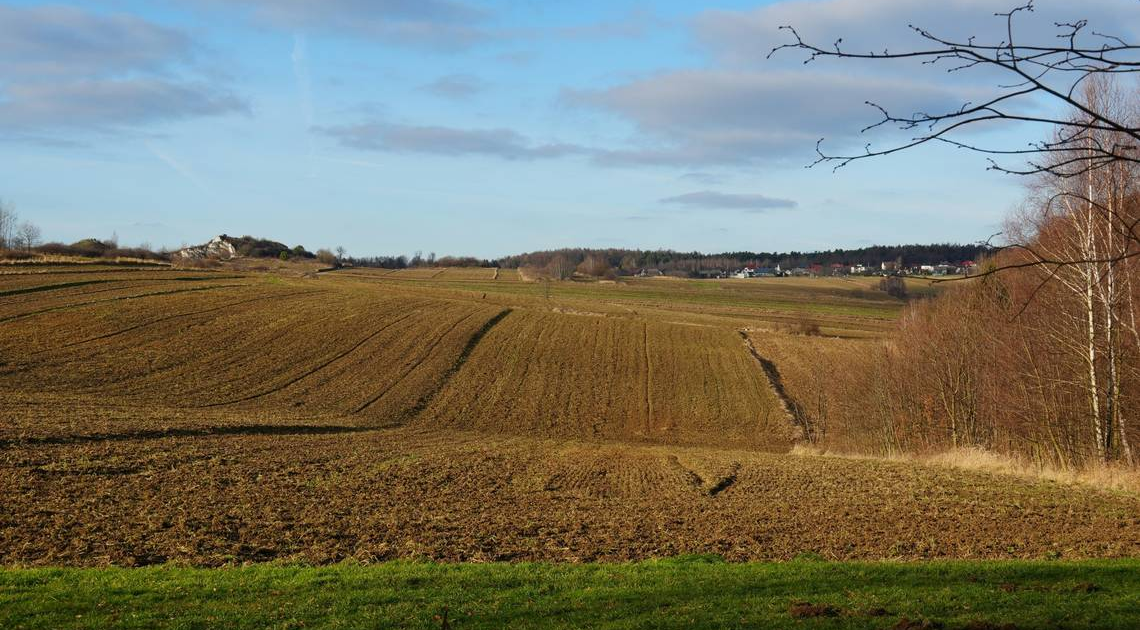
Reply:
x=219, y=248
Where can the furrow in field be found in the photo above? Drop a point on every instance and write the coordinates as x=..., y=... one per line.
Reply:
x=318, y=367
x=229, y=305
x=413, y=364
x=478, y=335
x=115, y=299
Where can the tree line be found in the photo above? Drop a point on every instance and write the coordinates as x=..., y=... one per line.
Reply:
x=15, y=234
x=598, y=261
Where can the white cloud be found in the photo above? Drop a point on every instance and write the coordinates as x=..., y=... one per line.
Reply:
x=455, y=86
x=440, y=24
x=501, y=143
x=702, y=117
x=745, y=37
x=42, y=42
x=728, y=201
x=744, y=108
x=106, y=104
x=66, y=68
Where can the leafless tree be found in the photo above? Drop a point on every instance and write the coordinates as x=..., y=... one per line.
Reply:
x=28, y=235
x=560, y=268
x=8, y=220
x=1055, y=70
x=1069, y=71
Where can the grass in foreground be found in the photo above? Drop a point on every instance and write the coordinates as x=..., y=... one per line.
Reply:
x=682, y=592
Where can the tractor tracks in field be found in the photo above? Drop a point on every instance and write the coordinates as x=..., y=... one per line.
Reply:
x=54, y=287
x=464, y=354
x=726, y=481
x=81, y=283
x=648, y=392
x=318, y=368
x=792, y=410
x=698, y=483
x=187, y=432
x=116, y=299
x=424, y=356
x=176, y=316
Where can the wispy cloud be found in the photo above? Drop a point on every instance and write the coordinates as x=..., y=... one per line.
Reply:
x=437, y=24
x=502, y=143
x=105, y=104
x=701, y=178
x=697, y=118
x=44, y=42
x=68, y=69
x=708, y=199
x=455, y=86
x=300, y=60
x=178, y=166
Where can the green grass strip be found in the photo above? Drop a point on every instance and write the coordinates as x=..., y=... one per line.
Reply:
x=684, y=592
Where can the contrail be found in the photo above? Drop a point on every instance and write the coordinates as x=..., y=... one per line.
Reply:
x=300, y=59
x=178, y=167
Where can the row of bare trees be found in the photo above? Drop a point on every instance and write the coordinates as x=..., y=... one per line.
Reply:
x=1040, y=356
x=15, y=234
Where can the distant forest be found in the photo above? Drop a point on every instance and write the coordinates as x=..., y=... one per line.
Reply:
x=632, y=260
x=668, y=260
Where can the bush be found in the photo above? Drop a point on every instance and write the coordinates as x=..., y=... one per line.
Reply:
x=807, y=327
x=893, y=286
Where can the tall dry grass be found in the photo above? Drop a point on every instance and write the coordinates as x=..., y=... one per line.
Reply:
x=1101, y=476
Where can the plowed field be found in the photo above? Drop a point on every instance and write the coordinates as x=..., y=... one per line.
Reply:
x=217, y=417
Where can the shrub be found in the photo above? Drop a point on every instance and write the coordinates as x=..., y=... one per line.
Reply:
x=893, y=286
x=806, y=326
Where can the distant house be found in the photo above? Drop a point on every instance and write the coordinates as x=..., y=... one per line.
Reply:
x=755, y=271
x=649, y=272
x=711, y=273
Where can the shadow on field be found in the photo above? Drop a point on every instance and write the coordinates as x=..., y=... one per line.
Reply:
x=248, y=429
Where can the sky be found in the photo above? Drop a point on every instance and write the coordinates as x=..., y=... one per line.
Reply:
x=492, y=128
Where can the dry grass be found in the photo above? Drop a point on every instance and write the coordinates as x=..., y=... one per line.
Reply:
x=1116, y=477
x=1101, y=476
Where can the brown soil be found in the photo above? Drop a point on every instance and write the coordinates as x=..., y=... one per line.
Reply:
x=214, y=419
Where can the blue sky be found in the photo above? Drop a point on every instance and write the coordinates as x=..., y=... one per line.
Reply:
x=486, y=128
